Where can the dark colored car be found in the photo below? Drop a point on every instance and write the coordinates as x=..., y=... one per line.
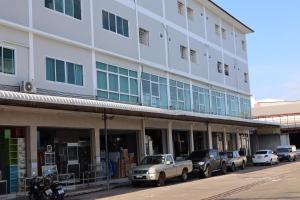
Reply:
x=205, y=162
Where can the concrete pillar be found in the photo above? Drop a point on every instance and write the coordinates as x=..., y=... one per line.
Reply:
x=209, y=133
x=225, y=139
x=95, y=146
x=238, y=140
x=142, y=140
x=32, y=168
x=170, y=138
x=192, y=148
x=249, y=143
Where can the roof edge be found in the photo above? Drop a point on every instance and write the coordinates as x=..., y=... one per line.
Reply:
x=250, y=30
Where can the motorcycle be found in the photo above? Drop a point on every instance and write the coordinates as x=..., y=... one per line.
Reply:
x=39, y=190
x=45, y=189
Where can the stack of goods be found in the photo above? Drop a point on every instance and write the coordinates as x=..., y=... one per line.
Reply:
x=21, y=163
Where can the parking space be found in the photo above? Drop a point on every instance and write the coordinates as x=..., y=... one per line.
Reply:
x=283, y=178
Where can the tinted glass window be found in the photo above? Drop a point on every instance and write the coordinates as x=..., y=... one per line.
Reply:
x=49, y=4
x=261, y=152
x=105, y=20
x=60, y=71
x=112, y=22
x=77, y=9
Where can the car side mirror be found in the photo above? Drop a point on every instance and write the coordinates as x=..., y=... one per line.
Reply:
x=168, y=162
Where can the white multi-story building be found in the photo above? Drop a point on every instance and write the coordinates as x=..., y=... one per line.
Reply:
x=172, y=76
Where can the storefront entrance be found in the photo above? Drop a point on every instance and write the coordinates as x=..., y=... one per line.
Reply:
x=156, y=141
x=181, y=143
x=64, y=151
x=200, y=140
x=123, y=151
x=12, y=160
x=217, y=141
x=231, y=141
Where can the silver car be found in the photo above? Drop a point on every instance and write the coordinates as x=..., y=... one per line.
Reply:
x=235, y=160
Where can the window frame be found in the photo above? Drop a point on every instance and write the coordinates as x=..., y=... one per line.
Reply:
x=146, y=39
x=130, y=93
x=2, y=73
x=220, y=67
x=64, y=12
x=124, y=21
x=226, y=69
x=183, y=52
x=180, y=8
x=193, y=56
x=66, y=73
x=190, y=13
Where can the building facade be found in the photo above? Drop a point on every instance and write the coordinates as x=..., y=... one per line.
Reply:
x=172, y=76
x=285, y=113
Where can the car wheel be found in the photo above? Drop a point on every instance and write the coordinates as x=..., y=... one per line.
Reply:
x=161, y=180
x=243, y=165
x=184, y=175
x=207, y=172
x=232, y=168
x=254, y=164
x=223, y=168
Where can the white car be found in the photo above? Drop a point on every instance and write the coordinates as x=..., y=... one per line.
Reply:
x=265, y=156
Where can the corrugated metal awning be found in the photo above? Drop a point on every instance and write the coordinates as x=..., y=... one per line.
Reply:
x=96, y=106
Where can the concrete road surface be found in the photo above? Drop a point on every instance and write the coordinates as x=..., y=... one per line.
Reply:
x=264, y=183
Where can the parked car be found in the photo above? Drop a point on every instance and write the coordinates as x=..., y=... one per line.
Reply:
x=287, y=152
x=265, y=157
x=298, y=153
x=205, y=162
x=235, y=160
x=159, y=168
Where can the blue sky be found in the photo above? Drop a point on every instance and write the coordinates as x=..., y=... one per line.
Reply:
x=273, y=50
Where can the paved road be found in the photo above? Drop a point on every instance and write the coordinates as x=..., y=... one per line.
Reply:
x=264, y=183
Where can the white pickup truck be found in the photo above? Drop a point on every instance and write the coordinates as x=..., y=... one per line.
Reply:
x=159, y=168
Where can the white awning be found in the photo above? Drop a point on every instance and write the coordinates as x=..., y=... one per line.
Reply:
x=67, y=103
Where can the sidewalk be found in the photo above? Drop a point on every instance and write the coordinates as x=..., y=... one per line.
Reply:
x=81, y=190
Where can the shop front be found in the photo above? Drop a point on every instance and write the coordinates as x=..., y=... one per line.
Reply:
x=123, y=151
x=155, y=141
x=218, y=141
x=231, y=141
x=13, y=166
x=200, y=140
x=64, y=152
x=181, y=143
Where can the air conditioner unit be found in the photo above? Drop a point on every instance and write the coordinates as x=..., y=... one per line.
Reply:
x=28, y=87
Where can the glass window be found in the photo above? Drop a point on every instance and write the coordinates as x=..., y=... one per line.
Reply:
x=8, y=61
x=78, y=75
x=112, y=68
x=112, y=22
x=101, y=80
x=125, y=28
x=71, y=73
x=49, y=4
x=132, y=73
x=123, y=71
x=119, y=25
x=113, y=96
x=102, y=94
x=60, y=71
x=77, y=9
x=154, y=89
x=50, y=69
x=59, y=6
x=133, y=86
x=146, y=87
x=105, y=21
x=124, y=84
x=113, y=82
x=102, y=66
x=69, y=7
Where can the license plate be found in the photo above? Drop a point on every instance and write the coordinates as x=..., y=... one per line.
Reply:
x=138, y=176
x=61, y=191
